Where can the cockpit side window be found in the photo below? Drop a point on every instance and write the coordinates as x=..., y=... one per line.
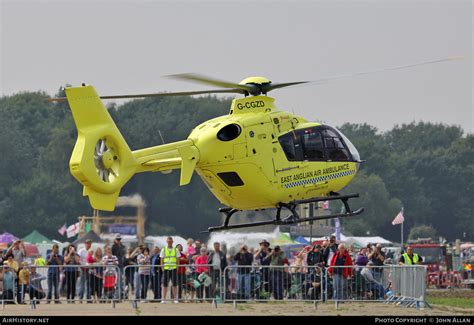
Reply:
x=312, y=142
x=303, y=145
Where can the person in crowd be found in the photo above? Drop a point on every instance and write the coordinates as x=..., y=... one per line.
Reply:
x=375, y=286
x=259, y=256
x=14, y=266
x=129, y=269
x=330, y=249
x=277, y=261
x=315, y=258
x=169, y=261
x=361, y=258
x=17, y=249
x=96, y=273
x=90, y=274
x=410, y=258
x=83, y=280
x=8, y=277
x=156, y=273
x=313, y=285
x=377, y=257
x=299, y=270
x=71, y=271
x=190, y=250
x=244, y=266
x=181, y=273
x=340, y=268
x=136, y=276
x=197, y=248
x=35, y=289
x=111, y=273
x=352, y=252
x=110, y=260
x=144, y=260
x=202, y=271
x=23, y=282
x=55, y=261
x=118, y=250
x=39, y=261
x=218, y=263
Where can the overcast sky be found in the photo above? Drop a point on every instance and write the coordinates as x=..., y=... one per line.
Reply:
x=128, y=46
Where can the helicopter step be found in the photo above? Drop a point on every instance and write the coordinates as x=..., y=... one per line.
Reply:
x=293, y=218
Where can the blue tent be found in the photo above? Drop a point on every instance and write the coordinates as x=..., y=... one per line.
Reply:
x=301, y=240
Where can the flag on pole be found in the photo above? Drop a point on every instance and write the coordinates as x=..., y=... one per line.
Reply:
x=326, y=205
x=399, y=219
x=62, y=230
x=72, y=230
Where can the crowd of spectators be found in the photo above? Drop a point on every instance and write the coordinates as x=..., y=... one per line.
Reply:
x=197, y=273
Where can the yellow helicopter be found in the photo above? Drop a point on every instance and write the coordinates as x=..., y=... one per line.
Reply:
x=256, y=157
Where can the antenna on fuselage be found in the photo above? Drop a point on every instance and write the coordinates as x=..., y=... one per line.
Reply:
x=161, y=136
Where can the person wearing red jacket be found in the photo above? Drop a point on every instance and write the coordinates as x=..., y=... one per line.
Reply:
x=340, y=269
x=182, y=262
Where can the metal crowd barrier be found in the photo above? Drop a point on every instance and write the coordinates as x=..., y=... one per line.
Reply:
x=194, y=283
x=403, y=285
x=263, y=283
x=97, y=283
x=409, y=285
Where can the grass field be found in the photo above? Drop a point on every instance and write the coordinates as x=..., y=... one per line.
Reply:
x=454, y=302
x=452, y=298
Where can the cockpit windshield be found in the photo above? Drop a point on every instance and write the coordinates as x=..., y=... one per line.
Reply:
x=318, y=143
x=350, y=146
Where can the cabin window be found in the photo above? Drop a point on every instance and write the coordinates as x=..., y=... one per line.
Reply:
x=291, y=146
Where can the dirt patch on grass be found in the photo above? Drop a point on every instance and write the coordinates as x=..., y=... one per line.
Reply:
x=257, y=309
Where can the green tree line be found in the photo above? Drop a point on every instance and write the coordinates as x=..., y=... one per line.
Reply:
x=428, y=168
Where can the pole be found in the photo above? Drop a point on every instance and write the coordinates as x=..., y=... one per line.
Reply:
x=401, y=234
x=311, y=215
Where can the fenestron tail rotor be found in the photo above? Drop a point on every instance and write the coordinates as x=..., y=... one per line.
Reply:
x=106, y=161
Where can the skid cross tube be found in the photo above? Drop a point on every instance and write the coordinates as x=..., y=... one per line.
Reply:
x=293, y=218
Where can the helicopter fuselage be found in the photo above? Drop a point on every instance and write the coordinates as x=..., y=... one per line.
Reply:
x=246, y=167
x=255, y=157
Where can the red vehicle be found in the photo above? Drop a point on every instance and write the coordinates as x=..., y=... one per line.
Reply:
x=439, y=260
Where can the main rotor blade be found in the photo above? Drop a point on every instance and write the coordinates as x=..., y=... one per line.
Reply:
x=211, y=81
x=183, y=93
x=357, y=74
x=272, y=86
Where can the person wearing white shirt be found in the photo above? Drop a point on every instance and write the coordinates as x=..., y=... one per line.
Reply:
x=84, y=279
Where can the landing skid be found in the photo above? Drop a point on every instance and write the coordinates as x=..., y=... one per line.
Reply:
x=293, y=218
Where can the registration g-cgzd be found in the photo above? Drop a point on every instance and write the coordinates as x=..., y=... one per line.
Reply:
x=254, y=104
